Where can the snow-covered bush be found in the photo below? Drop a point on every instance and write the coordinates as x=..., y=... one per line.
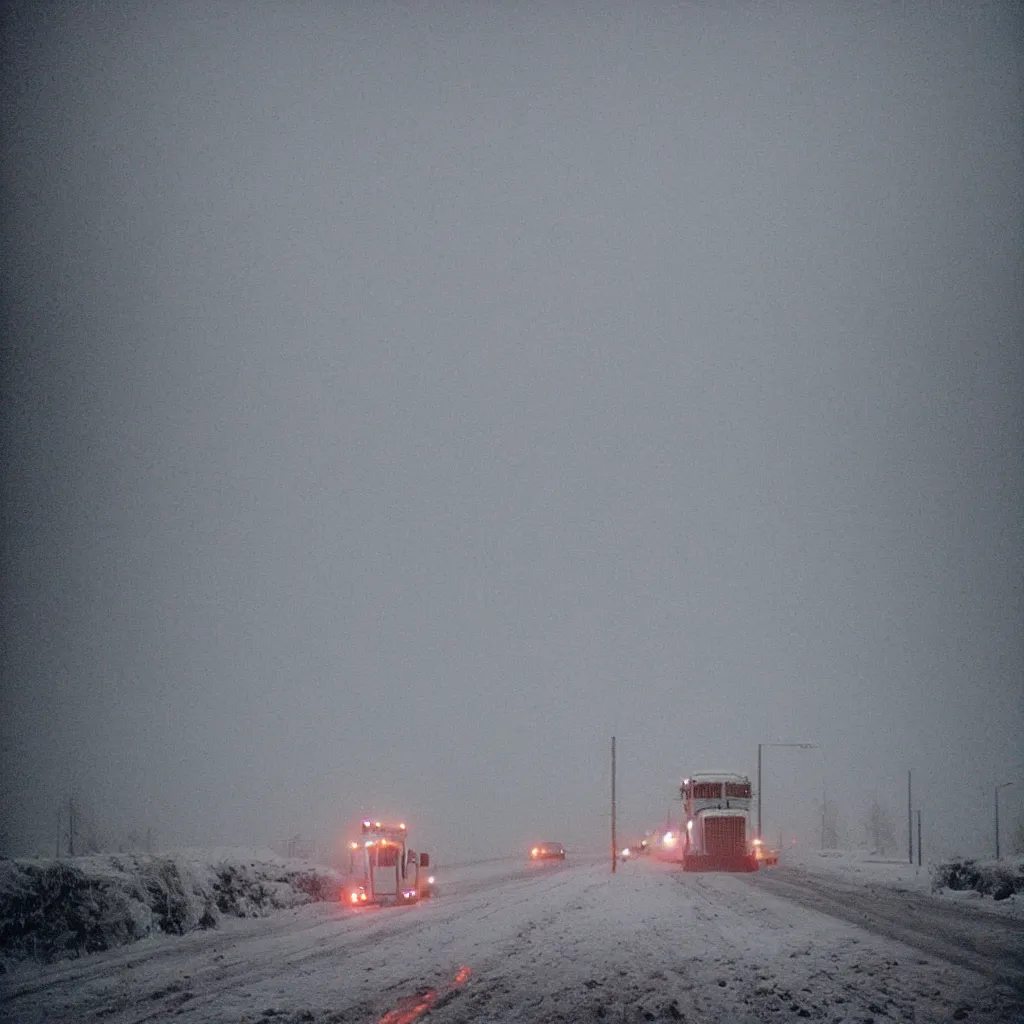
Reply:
x=255, y=889
x=57, y=908
x=178, y=903
x=241, y=892
x=318, y=886
x=999, y=879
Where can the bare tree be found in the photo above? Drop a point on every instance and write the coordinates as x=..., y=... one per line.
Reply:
x=879, y=827
x=1017, y=842
x=829, y=825
x=82, y=835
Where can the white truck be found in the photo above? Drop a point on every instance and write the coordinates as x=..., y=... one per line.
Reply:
x=383, y=870
x=717, y=814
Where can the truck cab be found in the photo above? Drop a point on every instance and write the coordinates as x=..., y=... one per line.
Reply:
x=717, y=811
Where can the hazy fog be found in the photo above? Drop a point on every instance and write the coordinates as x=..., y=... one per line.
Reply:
x=399, y=400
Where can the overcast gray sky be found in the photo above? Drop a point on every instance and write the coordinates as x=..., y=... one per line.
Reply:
x=399, y=400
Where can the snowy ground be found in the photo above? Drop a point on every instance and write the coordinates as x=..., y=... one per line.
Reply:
x=507, y=941
x=874, y=872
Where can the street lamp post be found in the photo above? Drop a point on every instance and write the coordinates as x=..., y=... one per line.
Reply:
x=802, y=746
x=1002, y=785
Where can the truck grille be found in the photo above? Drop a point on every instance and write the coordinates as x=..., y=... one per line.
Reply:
x=725, y=836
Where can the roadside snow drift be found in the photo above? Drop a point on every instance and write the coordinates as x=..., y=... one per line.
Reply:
x=50, y=909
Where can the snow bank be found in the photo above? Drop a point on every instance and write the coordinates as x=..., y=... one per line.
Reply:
x=863, y=867
x=51, y=909
x=1002, y=881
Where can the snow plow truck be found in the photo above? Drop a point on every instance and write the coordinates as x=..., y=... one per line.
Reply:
x=717, y=835
x=383, y=871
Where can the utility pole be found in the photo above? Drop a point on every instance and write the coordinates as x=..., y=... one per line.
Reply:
x=910, y=825
x=759, y=789
x=71, y=826
x=1002, y=785
x=823, y=818
x=997, y=823
x=613, y=805
x=918, y=838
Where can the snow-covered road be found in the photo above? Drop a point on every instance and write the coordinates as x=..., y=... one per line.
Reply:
x=504, y=942
x=964, y=935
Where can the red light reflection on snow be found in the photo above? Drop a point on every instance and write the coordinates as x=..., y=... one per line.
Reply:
x=413, y=1007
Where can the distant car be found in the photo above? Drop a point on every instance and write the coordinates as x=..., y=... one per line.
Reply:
x=548, y=851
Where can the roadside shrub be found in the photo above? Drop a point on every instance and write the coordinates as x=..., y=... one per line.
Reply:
x=956, y=874
x=240, y=894
x=56, y=910
x=998, y=879
x=177, y=907
x=318, y=887
x=50, y=909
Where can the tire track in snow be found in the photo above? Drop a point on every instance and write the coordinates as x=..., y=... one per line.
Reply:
x=839, y=971
x=986, y=944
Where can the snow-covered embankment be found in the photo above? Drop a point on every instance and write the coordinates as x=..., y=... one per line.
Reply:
x=51, y=909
